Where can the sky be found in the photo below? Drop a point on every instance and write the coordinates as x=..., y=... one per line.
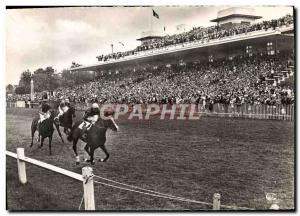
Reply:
x=42, y=37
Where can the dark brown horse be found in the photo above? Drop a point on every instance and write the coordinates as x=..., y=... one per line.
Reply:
x=96, y=137
x=66, y=120
x=45, y=130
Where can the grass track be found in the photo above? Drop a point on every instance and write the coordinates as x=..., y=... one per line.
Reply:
x=240, y=158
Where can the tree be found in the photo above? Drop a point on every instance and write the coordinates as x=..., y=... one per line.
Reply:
x=45, y=79
x=24, y=83
x=40, y=80
x=25, y=78
x=21, y=90
x=9, y=89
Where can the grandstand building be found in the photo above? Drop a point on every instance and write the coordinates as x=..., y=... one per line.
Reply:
x=213, y=59
x=236, y=16
x=221, y=67
x=148, y=37
x=269, y=39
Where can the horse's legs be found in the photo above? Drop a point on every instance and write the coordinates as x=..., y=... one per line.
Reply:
x=58, y=131
x=42, y=142
x=50, y=140
x=92, y=156
x=38, y=130
x=75, y=146
x=33, y=129
x=90, y=151
x=86, y=148
x=106, y=153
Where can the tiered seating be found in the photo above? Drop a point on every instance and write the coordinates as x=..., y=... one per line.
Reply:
x=251, y=80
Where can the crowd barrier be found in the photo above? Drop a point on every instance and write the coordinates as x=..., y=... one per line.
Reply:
x=252, y=111
x=255, y=111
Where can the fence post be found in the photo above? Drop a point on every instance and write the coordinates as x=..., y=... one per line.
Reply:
x=88, y=188
x=216, y=201
x=21, y=165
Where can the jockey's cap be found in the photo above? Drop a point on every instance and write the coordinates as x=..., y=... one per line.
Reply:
x=95, y=105
x=109, y=112
x=67, y=100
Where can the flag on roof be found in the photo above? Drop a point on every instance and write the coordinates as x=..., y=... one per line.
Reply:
x=155, y=14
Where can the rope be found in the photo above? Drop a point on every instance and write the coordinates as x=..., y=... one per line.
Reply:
x=156, y=195
x=81, y=202
x=131, y=186
x=161, y=195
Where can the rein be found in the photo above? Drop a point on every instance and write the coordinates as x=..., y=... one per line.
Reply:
x=99, y=126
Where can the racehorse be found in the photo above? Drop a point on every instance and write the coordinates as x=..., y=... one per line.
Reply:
x=66, y=120
x=96, y=137
x=45, y=130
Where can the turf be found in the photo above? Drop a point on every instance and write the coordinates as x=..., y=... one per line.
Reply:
x=242, y=159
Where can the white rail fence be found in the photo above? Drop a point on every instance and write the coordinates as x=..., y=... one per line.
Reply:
x=87, y=178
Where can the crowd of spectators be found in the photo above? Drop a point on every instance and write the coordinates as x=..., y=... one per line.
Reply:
x=235, y=81
x=202, y=34
x=17, y=97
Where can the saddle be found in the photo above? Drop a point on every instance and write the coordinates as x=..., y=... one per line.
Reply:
x=85, y=126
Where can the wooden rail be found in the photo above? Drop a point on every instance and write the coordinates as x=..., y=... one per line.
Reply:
x=86, y=178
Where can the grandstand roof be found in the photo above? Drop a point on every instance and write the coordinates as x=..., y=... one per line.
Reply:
x=197, y=49
x=235, y=15
x=149, y=37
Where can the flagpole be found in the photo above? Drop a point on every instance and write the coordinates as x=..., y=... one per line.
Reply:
x=151, y=17
x=149, y=21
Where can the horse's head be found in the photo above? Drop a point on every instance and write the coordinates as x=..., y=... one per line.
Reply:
x=110, y=123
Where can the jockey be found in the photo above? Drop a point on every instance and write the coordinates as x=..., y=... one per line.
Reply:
x=92, y=114
x=44, y=112
x=90, y=117
x=67, y=103
x=63, y=107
